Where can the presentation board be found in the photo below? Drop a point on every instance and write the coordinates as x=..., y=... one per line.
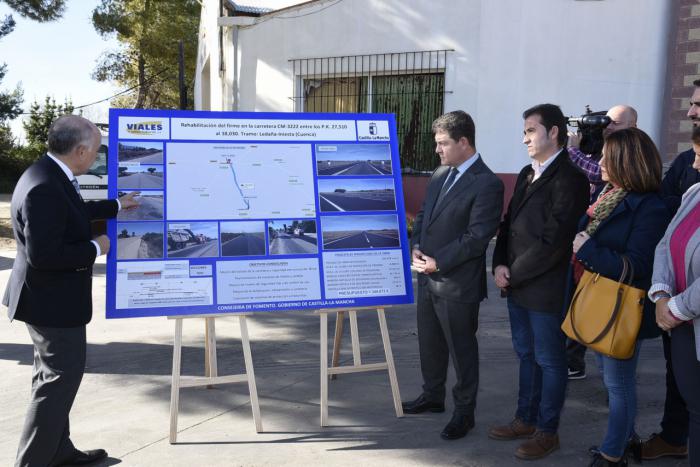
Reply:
x=245, y=212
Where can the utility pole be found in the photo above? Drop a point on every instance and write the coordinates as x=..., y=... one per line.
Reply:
x=181, y=76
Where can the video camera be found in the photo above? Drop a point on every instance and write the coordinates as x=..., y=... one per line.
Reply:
x=591, y=125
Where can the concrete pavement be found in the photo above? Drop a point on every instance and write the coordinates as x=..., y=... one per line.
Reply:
x=123, y=403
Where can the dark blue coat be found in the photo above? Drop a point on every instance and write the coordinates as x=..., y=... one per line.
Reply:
x=633, y=229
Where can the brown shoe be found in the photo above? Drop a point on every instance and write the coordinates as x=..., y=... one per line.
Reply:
x=656, y=447
x=540, y=445
x=514, y=430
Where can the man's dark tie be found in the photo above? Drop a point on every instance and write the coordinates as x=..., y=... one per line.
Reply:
x=446, y=186
x=76, y=185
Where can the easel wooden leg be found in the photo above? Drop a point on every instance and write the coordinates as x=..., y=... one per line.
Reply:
x=391, y=368
x=211, y=366
x=175, y=386
x=357, y=366
x=339, y=319
x=324, y=369
x=355, y=338
x=250, y=373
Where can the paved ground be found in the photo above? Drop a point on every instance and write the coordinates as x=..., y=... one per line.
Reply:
x=123, y=403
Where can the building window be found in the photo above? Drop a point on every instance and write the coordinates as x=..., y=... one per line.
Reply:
x=411, y=85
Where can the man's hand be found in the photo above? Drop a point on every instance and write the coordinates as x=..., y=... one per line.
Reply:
x=103, y=241
x=580, y=238
x=502, y=276
x=128, y=202
x=422, y=263
x=574, y=139
x=663, y=315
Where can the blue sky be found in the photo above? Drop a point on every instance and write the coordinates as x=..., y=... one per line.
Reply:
x=143, y=144
x=140, y=228
x=380, y=222
x=56, y=58
x=352, y=152
x=141, y=167
x=243, y=227
x=326, y=185
x=209, y=229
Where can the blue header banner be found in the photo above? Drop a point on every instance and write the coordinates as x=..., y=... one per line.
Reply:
x=244, y=212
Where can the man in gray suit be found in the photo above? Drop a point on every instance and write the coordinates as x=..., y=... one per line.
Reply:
x=50, y=288
x=460, y=215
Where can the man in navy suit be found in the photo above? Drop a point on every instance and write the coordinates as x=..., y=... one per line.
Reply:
x=50, y=288
x=459, y=217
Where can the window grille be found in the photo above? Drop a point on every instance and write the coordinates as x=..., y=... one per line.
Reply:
x=410, y=85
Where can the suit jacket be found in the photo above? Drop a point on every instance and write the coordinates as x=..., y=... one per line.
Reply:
x=686, y=303
x=458, y=230
x=535, y=237
x=51, y=280
x=633, y=229
x=680, y=176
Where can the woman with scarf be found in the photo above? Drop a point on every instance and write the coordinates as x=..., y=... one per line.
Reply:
x=676, y=291
x=628, y=218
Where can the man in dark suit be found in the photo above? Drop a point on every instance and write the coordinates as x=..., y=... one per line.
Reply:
x=50, y=287
x=530, y=261
x=459, y=217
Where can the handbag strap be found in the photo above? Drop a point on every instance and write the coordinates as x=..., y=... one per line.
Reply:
x=627, y=271
x=613, y=316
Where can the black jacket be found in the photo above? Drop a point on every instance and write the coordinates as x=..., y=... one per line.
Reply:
x=536, y=235
x=680, y=176
x=458, y=230
x=51, y=280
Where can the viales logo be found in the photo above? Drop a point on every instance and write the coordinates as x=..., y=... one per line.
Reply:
x=145, y=128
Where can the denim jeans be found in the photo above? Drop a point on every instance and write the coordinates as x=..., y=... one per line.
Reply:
x=619, y=377
x=541, y=347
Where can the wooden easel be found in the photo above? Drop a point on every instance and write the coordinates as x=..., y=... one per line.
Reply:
x=357, y=366
x=210, y=368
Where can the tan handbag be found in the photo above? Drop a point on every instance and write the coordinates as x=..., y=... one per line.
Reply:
x=606, y=315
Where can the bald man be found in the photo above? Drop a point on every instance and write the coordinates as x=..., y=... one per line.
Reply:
x=50, y=287
x=621, y=117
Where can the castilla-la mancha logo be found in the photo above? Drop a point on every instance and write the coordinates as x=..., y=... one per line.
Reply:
x=145, y=128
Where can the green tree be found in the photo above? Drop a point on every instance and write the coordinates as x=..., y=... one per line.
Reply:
x=36, y=127
x=148, y=31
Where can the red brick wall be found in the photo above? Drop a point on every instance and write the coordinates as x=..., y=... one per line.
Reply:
x=414, y=188
x=683, y=68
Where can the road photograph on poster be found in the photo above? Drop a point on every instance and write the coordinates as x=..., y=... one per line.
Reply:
x=343, y=194
x=365, y=232
x=353, y=159
x=243, y=238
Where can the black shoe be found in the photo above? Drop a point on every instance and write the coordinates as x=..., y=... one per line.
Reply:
x=421, y=405
x=458, y=427
x=576, y=374
x=600, y=461
x=85, y=457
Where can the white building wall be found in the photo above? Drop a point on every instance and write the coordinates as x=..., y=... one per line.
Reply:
x=508, y=55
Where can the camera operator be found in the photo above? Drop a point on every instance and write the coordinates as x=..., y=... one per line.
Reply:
x=621, y=117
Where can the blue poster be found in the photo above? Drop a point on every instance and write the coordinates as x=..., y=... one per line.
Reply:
x=249, y=212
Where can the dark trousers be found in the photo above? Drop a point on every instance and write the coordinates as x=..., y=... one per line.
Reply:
x=59, y=363
x=447, y=329
x=674, y=425
x=575, y=355
x=687, y=372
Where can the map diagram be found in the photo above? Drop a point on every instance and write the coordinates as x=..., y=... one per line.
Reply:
x=239, y=181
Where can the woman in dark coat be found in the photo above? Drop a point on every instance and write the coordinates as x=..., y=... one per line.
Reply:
x=627, y=219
